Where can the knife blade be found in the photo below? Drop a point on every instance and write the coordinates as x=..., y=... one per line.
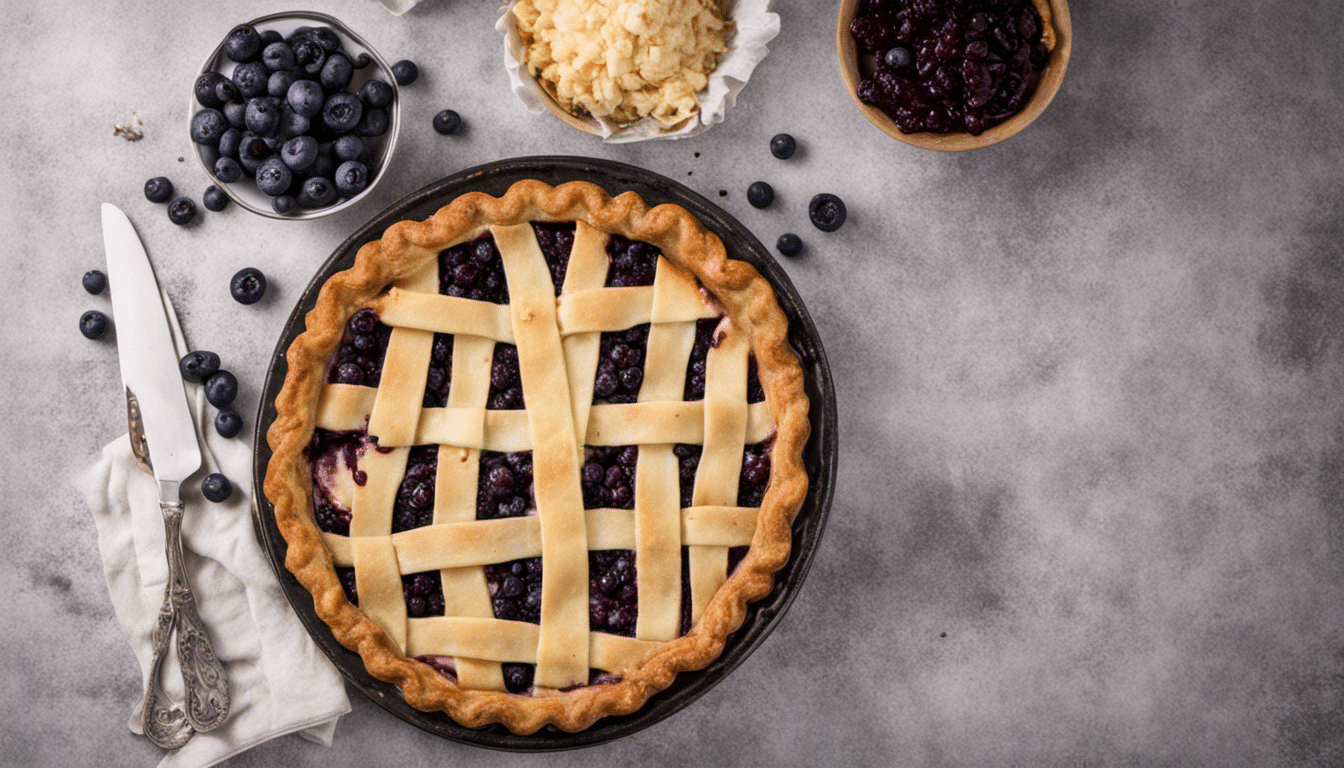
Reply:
x=162, y=427
x=145, y=347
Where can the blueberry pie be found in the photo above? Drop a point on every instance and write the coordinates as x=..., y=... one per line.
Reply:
x=535, y=454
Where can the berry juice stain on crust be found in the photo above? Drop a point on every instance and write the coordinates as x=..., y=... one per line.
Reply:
x=975, y=62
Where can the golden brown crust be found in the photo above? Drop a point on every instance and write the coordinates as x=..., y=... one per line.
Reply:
x=750, y=303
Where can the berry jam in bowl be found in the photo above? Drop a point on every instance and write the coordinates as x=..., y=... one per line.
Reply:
x=953, y=75
x=294, y=116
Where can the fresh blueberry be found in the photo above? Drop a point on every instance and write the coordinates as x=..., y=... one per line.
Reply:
x=94, y=281
x=898, y=58
x=207, y=126
x=292, y=123
x=342, y=111
x=284, y=204
x=236, y=113
x=274, y=177
x=270, y=36
x=227, y=93
x=326, y=162
x=229, y=141
x=349, y=147
x=363, y=60
x=158, y=189
x=278, y=83
x=263, y=117
x=228, y=170
x=405, y=72
x=309, y=55
x=243, y=43
x=228, y=423
x=216, y=487
x=221, y=388
x=252, y=153
x=789, y=244
x=198, y=365
x=205, y=89
x=827, y=212
x=251, y=79
x=305, y=97
x=351, y=178
x=447, y=122
x=760, y=194
x=181, y=211
x=325, y=37
x=376, y=93
x=299, y=152
x=318, y=192
x=783, y=146
x=336, y=72
x=93, y=324
x=278, y=57
x=215, y=199
x=373, y=123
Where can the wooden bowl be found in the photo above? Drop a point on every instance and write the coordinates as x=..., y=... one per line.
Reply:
x=1058, y=37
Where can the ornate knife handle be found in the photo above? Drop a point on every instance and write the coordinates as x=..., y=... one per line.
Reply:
x=206, y=685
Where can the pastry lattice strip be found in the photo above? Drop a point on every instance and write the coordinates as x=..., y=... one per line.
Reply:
x=558, y=347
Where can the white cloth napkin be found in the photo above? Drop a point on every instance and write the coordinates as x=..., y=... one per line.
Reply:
x=279, y=681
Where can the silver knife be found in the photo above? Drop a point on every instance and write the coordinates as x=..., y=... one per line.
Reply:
x=154, y=391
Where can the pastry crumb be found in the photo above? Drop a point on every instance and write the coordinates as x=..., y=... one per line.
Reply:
x=129, y=130
x=624, y=60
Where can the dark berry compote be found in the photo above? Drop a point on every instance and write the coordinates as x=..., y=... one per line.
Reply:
x=947, y=66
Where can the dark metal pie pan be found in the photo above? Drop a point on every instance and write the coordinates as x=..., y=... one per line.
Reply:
x=819, y=456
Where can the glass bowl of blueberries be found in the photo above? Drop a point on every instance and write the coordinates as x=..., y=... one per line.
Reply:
x=953, y=75
x=294, y=115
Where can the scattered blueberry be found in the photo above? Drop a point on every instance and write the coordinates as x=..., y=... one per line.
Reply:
x=376, y=93
x=447, y=122
x=159, y=189
x=337, y=72
x=318, y=192
x=93, y=324
x=284, y=204
x=205, y=89
x=248, y=286
x=760, y=194
x=789, y=244
x=405, y=72
x=278, y=57
x=783, y=146
x=198, y=365
x=342, y=111
x=181, y=211
x=228, y=423
x=214, y=198
x=274, y=177
x=243, y=43
x=299, y=152
x=216, y=487
x=94, y=281
x=221, y=388
x=352, y=177
x=827, y=212
x=349, y=147
x=898, y=58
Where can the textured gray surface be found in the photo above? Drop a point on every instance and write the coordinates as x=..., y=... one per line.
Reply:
x=1089, y=384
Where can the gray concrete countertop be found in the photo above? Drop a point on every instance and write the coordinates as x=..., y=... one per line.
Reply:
x=1090, y=507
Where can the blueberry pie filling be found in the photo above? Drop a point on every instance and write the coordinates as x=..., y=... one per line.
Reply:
x=561, y=440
